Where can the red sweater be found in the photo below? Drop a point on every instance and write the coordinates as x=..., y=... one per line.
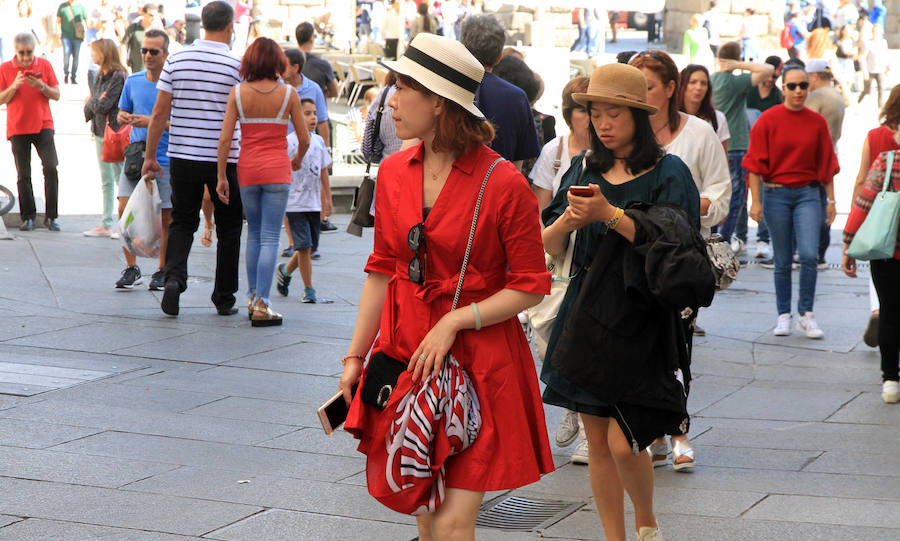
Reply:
x=792, y=148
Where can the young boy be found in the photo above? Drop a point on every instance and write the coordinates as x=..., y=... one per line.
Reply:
x=310, y=195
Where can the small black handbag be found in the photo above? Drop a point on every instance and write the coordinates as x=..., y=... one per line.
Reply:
x=382, y=374
x=134, y=160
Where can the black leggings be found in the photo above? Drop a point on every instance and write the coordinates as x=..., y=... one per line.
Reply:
x=886, y=275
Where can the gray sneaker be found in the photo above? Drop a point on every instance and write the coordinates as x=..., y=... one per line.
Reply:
x=568, y=429
x=580, y=456
x=131, y=277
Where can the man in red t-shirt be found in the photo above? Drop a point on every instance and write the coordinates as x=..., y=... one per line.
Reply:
x=27, y=84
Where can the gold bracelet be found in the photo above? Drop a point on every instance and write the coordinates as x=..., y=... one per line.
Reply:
x=346, y=357
x=614, y=221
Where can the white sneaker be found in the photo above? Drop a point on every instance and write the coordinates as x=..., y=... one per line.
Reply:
x=890, y=392
x=783, y=327
x=567, y=430
x=649, y=534
x=737, y=246
x=580, y=456
x=806, y=323
x=762, y=250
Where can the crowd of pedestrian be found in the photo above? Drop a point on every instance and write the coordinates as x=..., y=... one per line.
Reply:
x=653, y=161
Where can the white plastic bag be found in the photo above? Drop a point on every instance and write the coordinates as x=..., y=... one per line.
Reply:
x=140, y=227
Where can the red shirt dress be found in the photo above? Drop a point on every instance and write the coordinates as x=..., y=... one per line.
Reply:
x=512, y=449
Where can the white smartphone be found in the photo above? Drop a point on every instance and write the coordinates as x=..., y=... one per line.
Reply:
x=333, y=413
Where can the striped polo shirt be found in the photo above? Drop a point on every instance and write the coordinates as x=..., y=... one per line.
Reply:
x=200, y=78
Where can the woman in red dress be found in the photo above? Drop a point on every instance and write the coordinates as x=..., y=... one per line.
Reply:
x=404, y=311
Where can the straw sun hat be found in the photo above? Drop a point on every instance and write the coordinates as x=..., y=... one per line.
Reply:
x=443, y=66
x=617, y=84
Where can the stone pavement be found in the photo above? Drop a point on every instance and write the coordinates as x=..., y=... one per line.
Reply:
x=118, y=422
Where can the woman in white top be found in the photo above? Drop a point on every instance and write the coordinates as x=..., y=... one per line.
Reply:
x=557, y=155
x=695, y=98
x=698, y=146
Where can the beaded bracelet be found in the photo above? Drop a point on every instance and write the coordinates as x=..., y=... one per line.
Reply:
x=344, y=360
x=614, y=221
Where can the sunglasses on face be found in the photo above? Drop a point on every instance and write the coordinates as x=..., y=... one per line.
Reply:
x=415, y=240
x=25, y=52
x=793, y=86
x=152, y=52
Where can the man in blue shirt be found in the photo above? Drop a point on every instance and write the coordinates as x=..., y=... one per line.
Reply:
x=307, y=88
x=135, y=106
x=504, y=104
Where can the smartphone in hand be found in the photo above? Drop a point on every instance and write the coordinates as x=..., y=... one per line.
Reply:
x=581, y=191
x=333, y=413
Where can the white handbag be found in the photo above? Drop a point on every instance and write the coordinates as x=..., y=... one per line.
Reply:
x=542, y=317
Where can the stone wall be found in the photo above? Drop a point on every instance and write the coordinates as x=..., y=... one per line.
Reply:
x=766, y=24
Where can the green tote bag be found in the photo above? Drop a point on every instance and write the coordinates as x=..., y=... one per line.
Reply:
x=877, y=236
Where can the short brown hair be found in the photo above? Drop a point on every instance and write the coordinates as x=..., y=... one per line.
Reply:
x=730, y=51
x=457, y=130
x=578, y=85
x=263, y=59
x=890, y=113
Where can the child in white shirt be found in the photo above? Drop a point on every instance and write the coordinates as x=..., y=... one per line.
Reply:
x=310, y=195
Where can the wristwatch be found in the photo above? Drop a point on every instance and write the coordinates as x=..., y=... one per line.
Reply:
x=43, y=87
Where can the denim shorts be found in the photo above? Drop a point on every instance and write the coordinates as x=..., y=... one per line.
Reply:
x=305, y=227
x=126, y=187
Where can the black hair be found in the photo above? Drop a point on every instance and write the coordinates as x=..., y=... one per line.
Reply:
x=645, y=152
x=517, y=72
x=157, y=33
x=216, y=16
x=625, y=56
x=307, y=100
x=295, y=57
x=304, y=32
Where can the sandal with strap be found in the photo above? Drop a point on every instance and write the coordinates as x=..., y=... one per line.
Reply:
x=206, y=239
x=250, y=304
x=659, y=454
x=685, y=453
x=263, y=316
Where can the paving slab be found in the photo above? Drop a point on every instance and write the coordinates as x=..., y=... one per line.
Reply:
x=109, y=393
x=878, y=462
x=6, y=520
x=314, y=440
x=272, y=525
x=868, y=408
x=216, y=347
x=98, y=338
x=43, y=465
x=253, y=409
x=803, y=436
x=303, y=358
x=270, y=491
x=243, y=458
x=762, y=403
x=107, y=507
x=142, y=421
x=19, y=326
x=821, y=510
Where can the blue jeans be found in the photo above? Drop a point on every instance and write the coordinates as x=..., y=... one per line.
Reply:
x=825, y=231
x=587, y=41
x=71, y=47
x=790, y=213
x=264, y=206
x=109, y=177
x=740, y=230
x=738, y=193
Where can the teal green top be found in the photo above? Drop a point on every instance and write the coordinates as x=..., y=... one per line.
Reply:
x=730, y=97
x=670, y=181
x=69, y=15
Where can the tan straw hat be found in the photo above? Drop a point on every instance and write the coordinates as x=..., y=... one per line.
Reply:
x=444, y=66
x=617, y=84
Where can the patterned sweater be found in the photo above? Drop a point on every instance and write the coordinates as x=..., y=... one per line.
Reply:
x=866, y=196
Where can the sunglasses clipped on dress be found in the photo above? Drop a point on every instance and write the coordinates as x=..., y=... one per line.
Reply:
x=415, y=239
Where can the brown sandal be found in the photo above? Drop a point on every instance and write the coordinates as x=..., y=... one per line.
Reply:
x=206, y=239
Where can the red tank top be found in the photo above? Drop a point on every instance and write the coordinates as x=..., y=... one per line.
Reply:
x=881, y=139
x=263, y=158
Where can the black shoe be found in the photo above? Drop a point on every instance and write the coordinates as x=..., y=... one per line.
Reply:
x=226, y=310
x=157, y=281
x=171, y=293
x=27, y=225
x=870, y=337
x=52, y=225
x=767, y=263
x=74, y=82
x=131, y=277
x=328, y=226
x=66, y=79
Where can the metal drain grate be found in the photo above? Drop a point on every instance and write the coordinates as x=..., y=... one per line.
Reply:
x=515, y=513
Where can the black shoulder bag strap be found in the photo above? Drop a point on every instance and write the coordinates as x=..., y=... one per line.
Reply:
x=377, y=129
x=365, y=193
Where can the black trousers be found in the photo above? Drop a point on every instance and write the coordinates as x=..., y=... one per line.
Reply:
x=886, y=276
x=188, y=179
x=46, y=149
